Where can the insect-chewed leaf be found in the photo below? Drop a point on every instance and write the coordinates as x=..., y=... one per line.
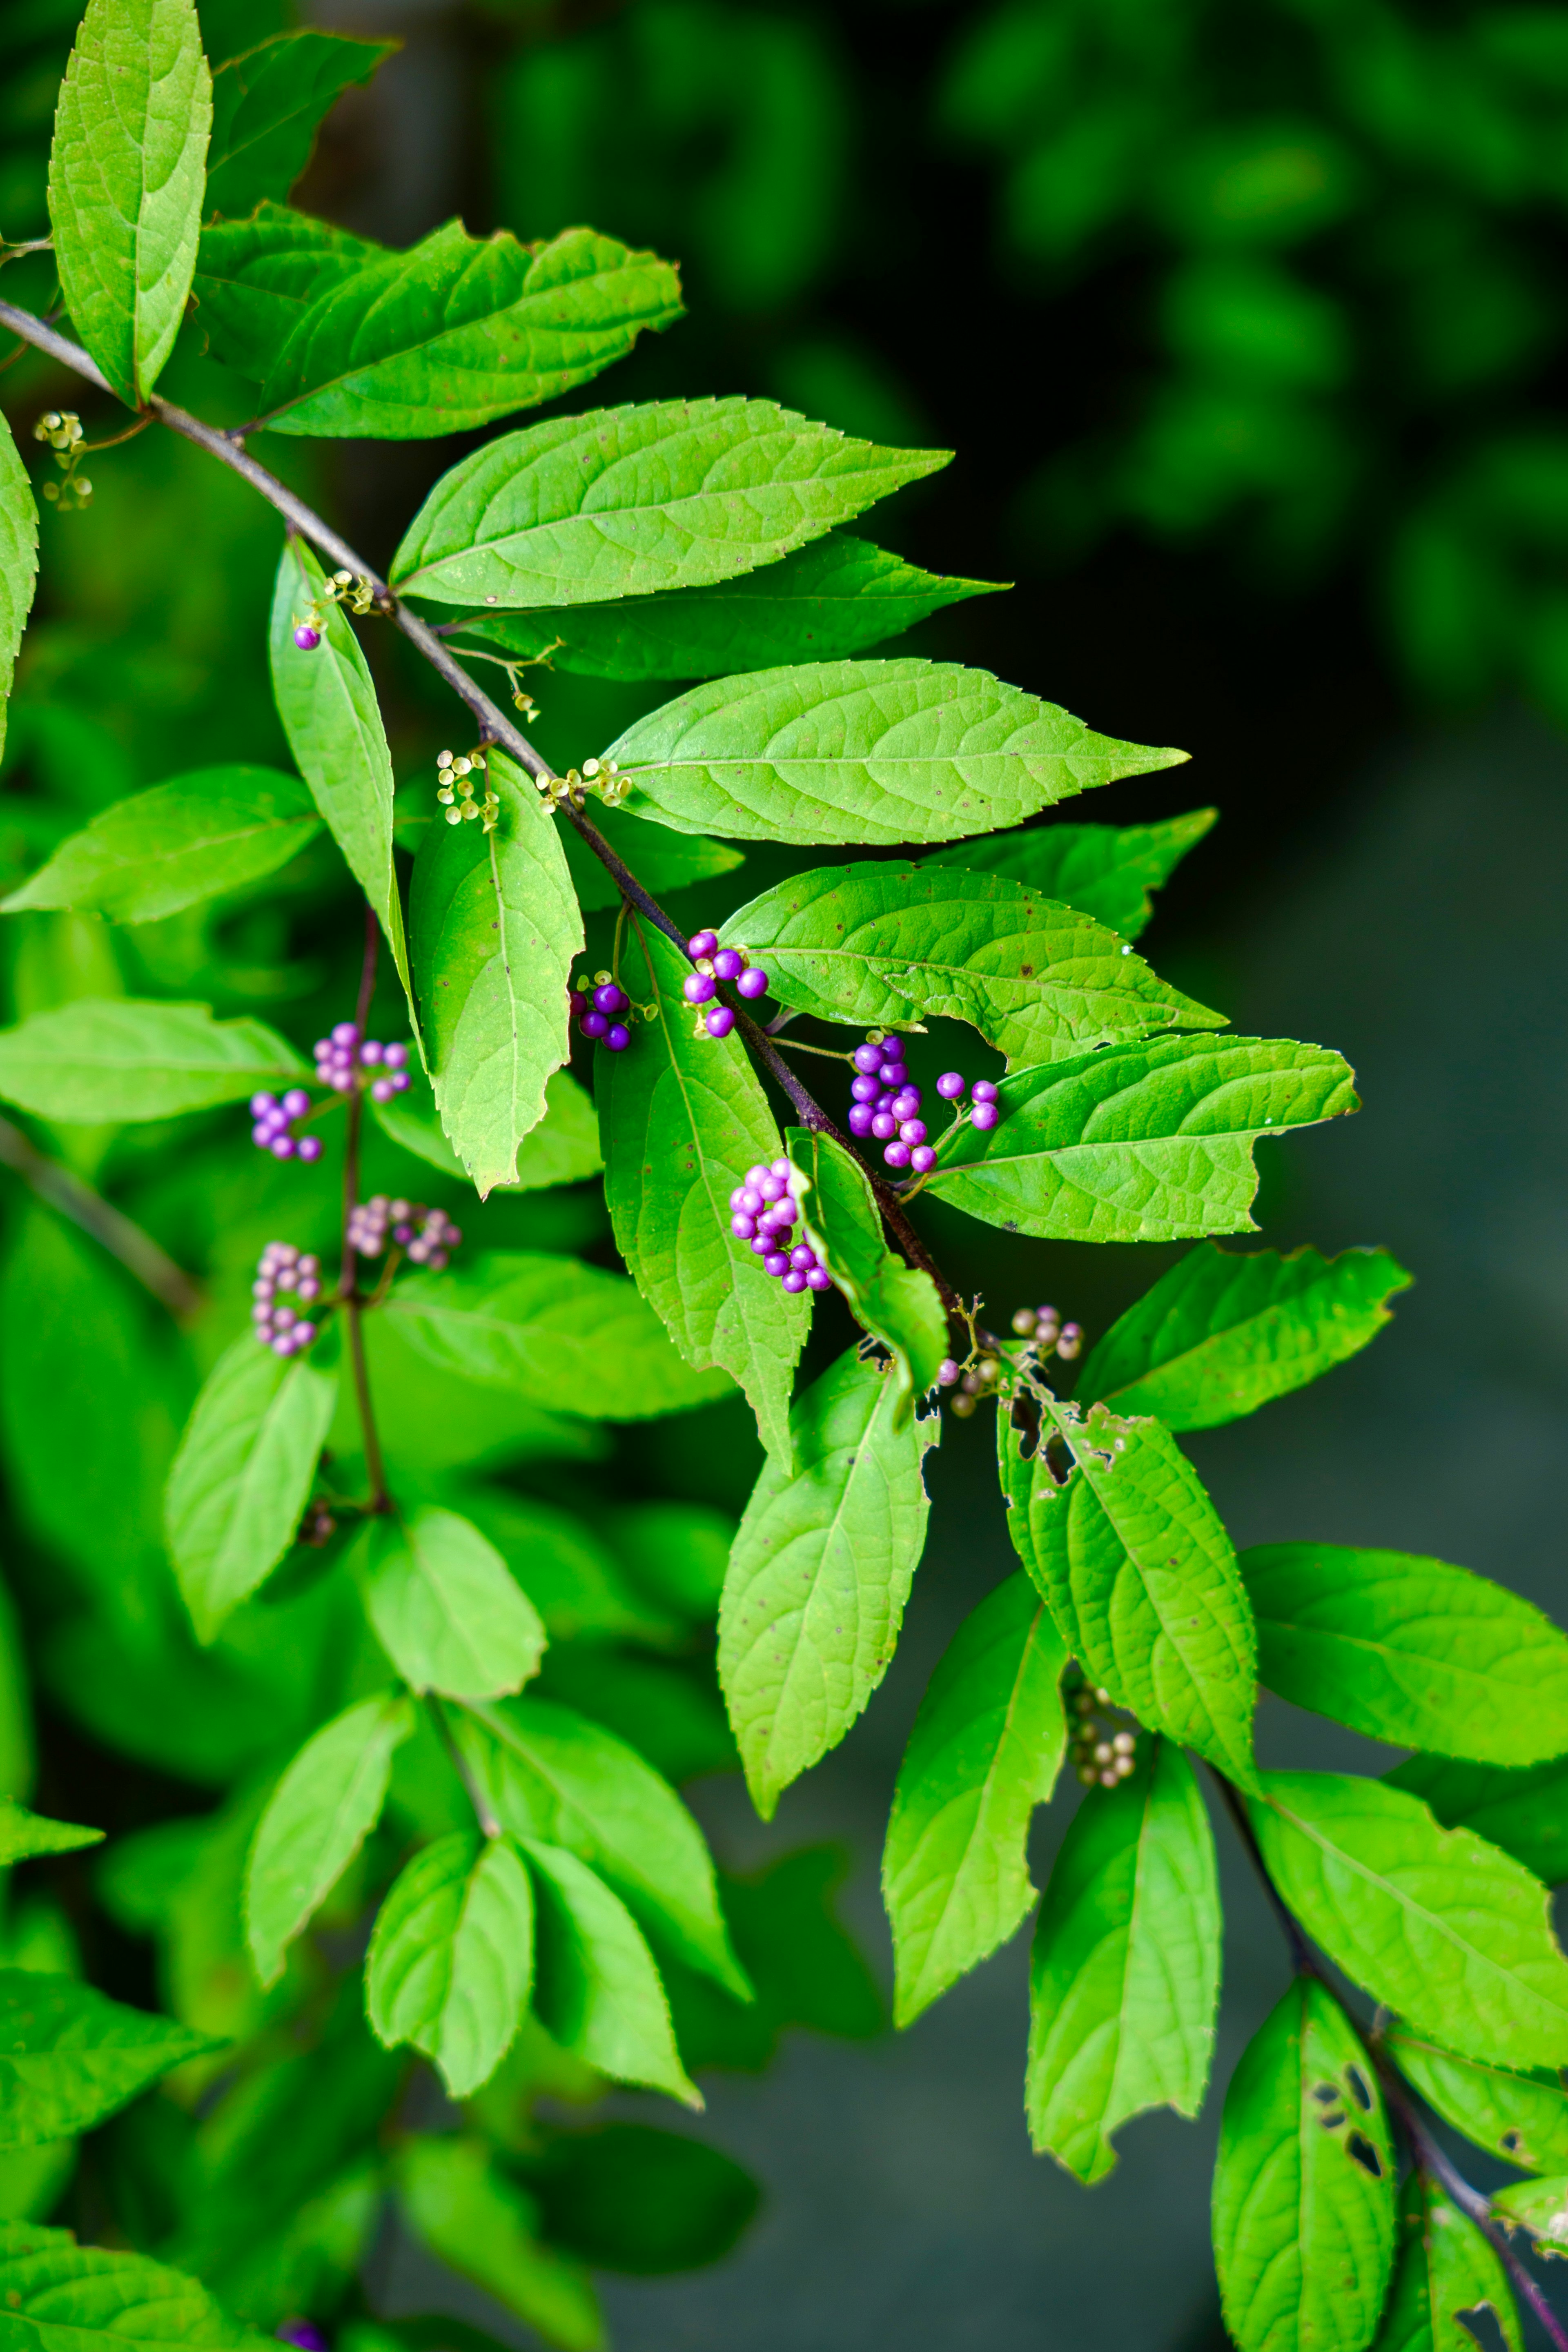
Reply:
x=18, y=561
x=190, y=839
x=54, y=2292
x=69, y=2056
x=1142, y=1142
x=1304, y=2182
x=1224, y=1332
x=885, y=942
x=1108, y=872
x=831, y=598
x=1140, y=1576
x=128, y=1058
x=819, y=1574
x=267, y=106
x=1448, y=2278
x=446, y=1607
x=984, y=1751
x=125, y=182
x=257, y=278
x=661, y=860
x=1539, y=2207
x=682, y=1118
x=451, y=1957
x=320, y=1814
x=1411, y=1650
x=549, y=1773
x=474, y=2217
x=23, y=1834
x=596, y=1988
x=1522, y=2118
x=1524, y=1811
x=327, y=702
x=896, y=1303
x=1124, y=1978
x=1435, y=1922
x=627, y=501
x=873, y=752
x=243, y=1474
x=493, y=928
x=563, y=1332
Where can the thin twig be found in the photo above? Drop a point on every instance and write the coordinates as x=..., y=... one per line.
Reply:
x=353, y=1304
x=136, y=1251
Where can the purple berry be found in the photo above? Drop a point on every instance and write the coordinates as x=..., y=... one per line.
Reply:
x=261, y=1104
x=868, y=1058
x=741, y=1225
x=803, y=1256
x=395, y=1057
x=728, y=963
x=775, y=1262
x=762, y=1245
x=894, y=1075
x=753, y=982
x=700, y=988
x=772, y=1188
x=307, y=638
x=947, y=1373
x=795, y=1279
x=309, y=1147
x=897, y=1155
x=860, y=1119
x=884, y=1127
x=738, y=1196
x=755, y=1174
x=701, y=943
x=863, y=1089
x=752, y=1199
x=819, y=1278
x=296, y=1102
x=371, y=1052
x=985, y=1115
x=617, y=1037
x=283, y=1146
x=905, y=1104
x=913, y=1130
x=950, y=1085
x=401, y=1082
x=784, y=1216
x=609, y=997
x=922, y=1158
x=721, y=1021
x=261, y=1133
x=984, y=1091
x=382, y=1090
x=344, y=1032
x=300, y=2333
x=303, y=1334
x=594, y=1025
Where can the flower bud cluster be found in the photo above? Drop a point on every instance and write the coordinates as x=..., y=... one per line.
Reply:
x=765, y=1213
x=454, y=788
x=603, y=776
x=601, y=1008
x=345, y=1060
x=1104, y=1750
x=350, y=588
x=278, y=1322
x=714, y=963
x=61, y=428
x=427, y=1235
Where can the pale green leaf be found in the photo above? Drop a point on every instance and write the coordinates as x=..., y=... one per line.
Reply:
x=1522, y=2118
x=887, y=944
x=1105, y=872
x=57, y=2296
x=320, y=1814
x=475, y=2218
x=451, y=1957
x=1224, y=1332
x=1140, y=1143
x=661, y=860
x=819, y=1574
x=1303, y=2188
x=552, y=1329
x=18, y=561
x=596, y=1988
x=23, y=1834
x=242, y=1477
x=69, y=2056
x=190, y=839
x=627, y=501
x=682, y=1118
x=1539, y=2208
x=896, y=1303
x=984, y=1751
x=831, y=598
x=563, y=1149
x=875, y=752
x=1448, y=2279
x=1525, y=1811
x=1408, y=1650
x=257, y=278
x=493, y=930
x=126, y=173
x=1435, y=1922
x=267, y=106
x=1125, y=1976
x=573, y=1577
x=446, y=1608
x=127, y=1058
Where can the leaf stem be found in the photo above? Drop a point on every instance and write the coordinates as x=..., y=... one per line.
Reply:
x=137, y=1251
x=353, y=1304
x=459, y=1761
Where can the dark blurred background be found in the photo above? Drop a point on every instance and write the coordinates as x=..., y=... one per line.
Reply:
x=1246, y=320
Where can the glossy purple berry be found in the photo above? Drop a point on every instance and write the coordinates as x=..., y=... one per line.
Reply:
x=721, y=1021
x=594, y=1025
x=922, y=1158
x=753, y=982
x=309, y=1147
x=742, y=1227
x=985, y=1115
x=382, y=1090
x=344, y=1032
x=771, y=1188
x=897, y=1155
x=261, y=1104
x=728, y=963
x=283, y=1146
x=701, y=943
x=983, y=1091
x=617, y=1037
x=803, y=1256
x=307, y=638
x=296, y=1102
x=784, y=1216
x=610, y=997
x=947, y=1372
x=868, y=1058
x=894, y=1075
x=751, y=1201
x=913, y=1130
x=795, y=1279
x=261, y=1133
x=860, y=1119
x=762, y=1245
x=300, y=2333
x=775, y=1262
x=863, y=1089
x=905, y=1104
x=950, y=1085
x=884, y=1127
x=371, y=1052
x=395, y=1058
x=819, y=1278
x=700, y=988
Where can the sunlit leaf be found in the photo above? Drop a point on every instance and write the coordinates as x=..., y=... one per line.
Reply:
x=451, y=1957
x=1449, y=2283
x=1105, y=872
x=596, y=1988
x=1522, y=2118
x=128, y=1058
x=61, y=2297
x=69, y=2056
x=448, y=1611
x=320, y=1812
x=896, y=1303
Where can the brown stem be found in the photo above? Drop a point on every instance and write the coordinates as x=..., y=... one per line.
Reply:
x=353, y=1304
x=136, y=1251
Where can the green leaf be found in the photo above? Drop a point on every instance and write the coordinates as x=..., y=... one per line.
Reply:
x=257, y=278
x=984, y=1751
x=267, y=106
x=548, y=1773
x=1435, y=1922
x=628, y=2198
x=69, y=2056
x=1525, y=1812
x=896, y=1303
x=1124, y=1976
x=451, y=1957
x=320, y=1814
x=1224, y=1332
x=1139, y=1574
x=886, y=942
x=1303, y=2188
x=682, y=1118
x=130, y=1058
x=873, y=753
x=1539, y=2207
x=23, y=1834
x=829, y=599
x=125, y=183
x=18, y=561
x=596, y=1988
x=190, y=839
x=446, y=1608
x=457, y=331
x=493, y=930
x=1449, y=2277
x=1140, y=1143
x=662, y=861
x=57, y=2296
x=1522, y=2118
x=549, y=1326
x=627, y=501
x=243, y=1475
x=1108, y=873
x=563, y=1149
x=1410, y=1651
x=472, y=2216
x=327, y=702
x=819, y=1574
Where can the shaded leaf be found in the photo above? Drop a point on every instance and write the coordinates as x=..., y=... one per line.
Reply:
x=662, y=861
x=596, y=1988
x=57, y=2296
x=446, y=1608
x=1104, y=871
x=69, y=2056
x=471, y=2215
x=1525, y=1812
x=451, y=1957
x=129, y=1058
x=257, y=278
x=628, y=2198
x=18, y=561
x=160, y=851
x=896, y=1303
x=320, y=1814
x=1448, y=2277
x=1522, y=2118
x=23, y=1834
x=267, y=106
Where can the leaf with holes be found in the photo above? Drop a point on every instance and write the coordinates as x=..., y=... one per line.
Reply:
x=446, y=1608
x=267, y=106
x=1449, y=2284
x=55, y=2294
x=69, y=2057
x=1520, y=2118
x=1524, y=1811
x=1539, y=2208
x=896, y=1302
x=318, y=1817
x=18, y=561
x=1303, y=2187
x=1105, y=872
x=128, y=1058
x=596, y=1988
x=159, y=852
x=451, y=1957
x=984, y=1751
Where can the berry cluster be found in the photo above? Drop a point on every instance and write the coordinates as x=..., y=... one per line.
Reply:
x=428, y=1235
x=764, y=1212
x=887, y=1103
x=1050, y=1335
x=343, y=1061
x=279, y=1324
x=61, y=428
x=344, y=588
x=981, y=1380
x=713, y=964
x=273, y=1130
x=1103, y=1753
x=599, y=1014
x=454, y=789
